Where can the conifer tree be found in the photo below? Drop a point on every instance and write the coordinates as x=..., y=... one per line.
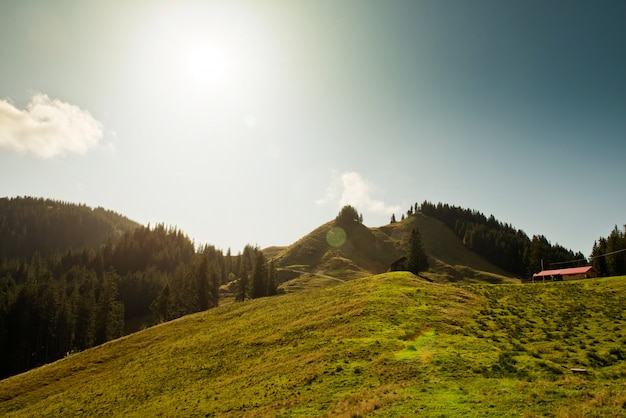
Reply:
x=259, y=277
x=160, y=306
x=242, y=284
x=85, y=318
x=202, y=282
x=215, y=281
x=393, y=218
x=228, y=265
x=616, y=258
x=109, y=310
x=416, y=260
x=348, y=215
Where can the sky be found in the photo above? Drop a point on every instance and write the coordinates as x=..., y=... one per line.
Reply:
x=254, y=122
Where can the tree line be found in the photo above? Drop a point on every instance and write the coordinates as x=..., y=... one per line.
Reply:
x=29, y=225
x=608, y=255
x=58, y=303
x=500, y=243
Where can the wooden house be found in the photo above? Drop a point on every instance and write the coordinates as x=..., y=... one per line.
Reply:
x=575, y=273
x=398, y=265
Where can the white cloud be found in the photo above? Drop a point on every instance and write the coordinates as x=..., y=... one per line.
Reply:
x=48, y=128
x=352, y=189
x=332, y=191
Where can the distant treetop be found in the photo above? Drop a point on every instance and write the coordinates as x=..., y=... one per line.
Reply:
x=348, y=215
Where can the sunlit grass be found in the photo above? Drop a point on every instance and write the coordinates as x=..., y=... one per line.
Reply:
x=388, y=345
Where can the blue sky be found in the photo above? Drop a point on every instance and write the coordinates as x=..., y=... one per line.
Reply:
x=254, y=122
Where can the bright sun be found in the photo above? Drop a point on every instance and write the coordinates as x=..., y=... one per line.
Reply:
x=206, y=63
x=228, y=59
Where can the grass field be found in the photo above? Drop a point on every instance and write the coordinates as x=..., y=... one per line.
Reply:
x=387, y=345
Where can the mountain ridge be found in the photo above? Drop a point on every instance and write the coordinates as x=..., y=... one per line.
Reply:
x=29, y=225
x=365, y=251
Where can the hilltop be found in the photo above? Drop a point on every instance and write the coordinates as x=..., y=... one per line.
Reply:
x=29, y=225
x=386, y=345
x=368, y=251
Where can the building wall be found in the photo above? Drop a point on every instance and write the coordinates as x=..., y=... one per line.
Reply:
x=574, y=276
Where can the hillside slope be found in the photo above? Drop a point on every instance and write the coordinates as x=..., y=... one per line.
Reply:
x=445, y=250
x=387, y=345
x=369, y=251
x=29, y=225
x=363, y=253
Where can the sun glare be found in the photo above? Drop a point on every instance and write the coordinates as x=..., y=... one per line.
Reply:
x=225, y=61
x=206, y=63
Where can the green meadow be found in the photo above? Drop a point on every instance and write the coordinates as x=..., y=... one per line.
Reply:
x=393, y=344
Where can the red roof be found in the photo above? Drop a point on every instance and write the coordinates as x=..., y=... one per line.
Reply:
x=565, y=272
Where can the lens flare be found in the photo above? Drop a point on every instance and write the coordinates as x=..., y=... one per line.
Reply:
x=336, y=237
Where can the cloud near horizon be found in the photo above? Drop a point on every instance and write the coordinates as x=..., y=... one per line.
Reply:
x=48, y=128
x=350, y=188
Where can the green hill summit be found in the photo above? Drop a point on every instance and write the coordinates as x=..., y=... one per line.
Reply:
x=347, y=248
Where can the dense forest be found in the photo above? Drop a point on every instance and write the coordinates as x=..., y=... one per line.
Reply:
x=608, y=255
x=61, y=302
x=29, y=225
x=500, y=243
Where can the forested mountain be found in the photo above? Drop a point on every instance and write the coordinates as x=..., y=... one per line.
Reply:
x=500, y=243
x=29, y=225
x=609, y=254
x=58, y=302
x=72, y=277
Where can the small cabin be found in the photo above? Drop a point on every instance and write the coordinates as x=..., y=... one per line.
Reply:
x=575, y=273
x=398, y=265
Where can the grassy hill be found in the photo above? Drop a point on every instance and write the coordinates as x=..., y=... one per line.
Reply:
x=369, y=251
x=364, y=252
x=387, y=345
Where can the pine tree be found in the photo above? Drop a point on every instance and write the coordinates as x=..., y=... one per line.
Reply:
x=65, y=322
x=616, y=260
x=228, y=266
x=259, y=277
x=85, y=318
x=393, y=218
x=416, y=260
x=202, y=283
x=348, y=215
x=242, y=284
x=160, y=306
x=109, y=310
x=215, y=281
